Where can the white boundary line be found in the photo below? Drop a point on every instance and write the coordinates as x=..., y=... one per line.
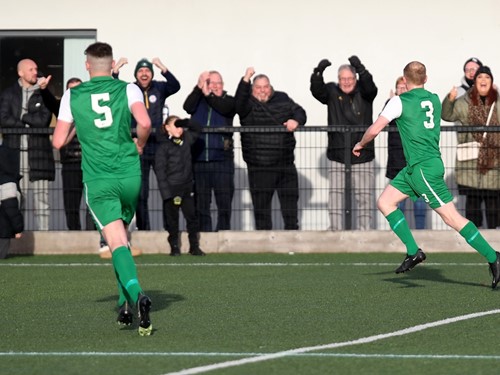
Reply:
x=236, y=354
x=363, y=340
x=277, y=264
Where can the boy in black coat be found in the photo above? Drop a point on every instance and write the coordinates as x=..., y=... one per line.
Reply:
x=174, y=172
x=11, y=217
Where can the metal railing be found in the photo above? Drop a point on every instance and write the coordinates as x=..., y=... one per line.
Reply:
x=312, y=166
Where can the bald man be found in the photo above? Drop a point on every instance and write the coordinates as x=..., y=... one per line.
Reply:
x=22, y=108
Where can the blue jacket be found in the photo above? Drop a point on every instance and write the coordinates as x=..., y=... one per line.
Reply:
x=154, y=99
x=211, y=112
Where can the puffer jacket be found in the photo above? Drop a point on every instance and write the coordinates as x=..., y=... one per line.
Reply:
x=355, y=108
x=466, y=172
x=40, y=154
x=173, y=161
x=264, y=149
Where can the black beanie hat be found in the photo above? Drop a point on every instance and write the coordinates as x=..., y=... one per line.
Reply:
x=473, y=59
x=144, y=63
x=483, y=69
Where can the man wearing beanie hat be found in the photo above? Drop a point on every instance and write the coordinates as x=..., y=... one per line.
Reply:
x=155, y=92
x=144, y=63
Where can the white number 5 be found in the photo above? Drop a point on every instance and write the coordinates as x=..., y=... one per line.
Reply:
x=102, y=109
x=427, y=104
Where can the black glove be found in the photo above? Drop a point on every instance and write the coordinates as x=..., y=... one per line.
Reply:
x=323, y=64
x=356, y=63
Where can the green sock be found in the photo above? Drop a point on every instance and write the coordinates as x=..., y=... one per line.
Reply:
x=122, y=293
x=127, y=273
x=477, y=241
x=400, y=226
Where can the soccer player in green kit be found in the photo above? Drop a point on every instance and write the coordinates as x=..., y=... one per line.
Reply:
x=418, y=117
x=99, y=112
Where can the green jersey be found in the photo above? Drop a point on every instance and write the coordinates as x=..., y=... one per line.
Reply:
x=418, y=117
x=100, y=109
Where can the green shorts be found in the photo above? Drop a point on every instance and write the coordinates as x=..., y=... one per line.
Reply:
x=112, y=199
x=426, y=180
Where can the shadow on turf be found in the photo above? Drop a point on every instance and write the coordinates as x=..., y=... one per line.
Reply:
x=410, y=279
x=161, y=300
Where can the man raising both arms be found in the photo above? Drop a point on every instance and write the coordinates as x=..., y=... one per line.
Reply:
x=418, y=116
x=101, y=109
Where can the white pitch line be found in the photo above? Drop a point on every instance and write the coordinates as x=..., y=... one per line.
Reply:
x=280, y=264
x=236, y=354
x=363, y=340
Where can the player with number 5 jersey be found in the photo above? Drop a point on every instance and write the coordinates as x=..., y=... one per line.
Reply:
x=101, y=106
x=99, y=110
x=418, y=114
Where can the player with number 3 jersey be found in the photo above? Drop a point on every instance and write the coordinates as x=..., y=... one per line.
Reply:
x=418, y=116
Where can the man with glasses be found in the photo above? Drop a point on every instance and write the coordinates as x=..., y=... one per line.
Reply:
x=349, y=102
x=470, y=68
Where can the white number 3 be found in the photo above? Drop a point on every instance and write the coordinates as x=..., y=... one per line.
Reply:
x=102, y=109
x=427, y=104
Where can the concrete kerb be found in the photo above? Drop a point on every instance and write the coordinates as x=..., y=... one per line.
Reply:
x=155, y=242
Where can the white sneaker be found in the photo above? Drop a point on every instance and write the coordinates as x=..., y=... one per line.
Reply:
x=105, y=252
x=135, y=251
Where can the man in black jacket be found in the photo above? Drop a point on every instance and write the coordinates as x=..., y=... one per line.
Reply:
x=11, y=217
x=350, y=102
x=270, y=155
x=71, y=163
x=22, y=107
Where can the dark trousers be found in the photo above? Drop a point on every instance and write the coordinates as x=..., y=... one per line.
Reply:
x=473, y=200
x=72, y=195
x=216, y=176
x=264, y=181
x=171, y=218
x=142, y=211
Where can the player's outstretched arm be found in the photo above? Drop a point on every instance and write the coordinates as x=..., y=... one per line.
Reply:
x=370, y=134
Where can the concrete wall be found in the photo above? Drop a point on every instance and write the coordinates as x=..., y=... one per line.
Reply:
x=153, y=242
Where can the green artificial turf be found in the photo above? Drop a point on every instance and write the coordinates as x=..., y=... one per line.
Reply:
x=58, y=315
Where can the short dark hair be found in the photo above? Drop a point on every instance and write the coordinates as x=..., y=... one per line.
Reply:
x=99, y=50
x=73, y=80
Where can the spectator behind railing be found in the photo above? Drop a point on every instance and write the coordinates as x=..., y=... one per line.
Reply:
x=155, y=93
x=11, y=217
x=478, y=177
x=71, y=162
x=349, y=102
x=174, y=172
x=269, y=156
x=22, y=107
x=213, y=153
